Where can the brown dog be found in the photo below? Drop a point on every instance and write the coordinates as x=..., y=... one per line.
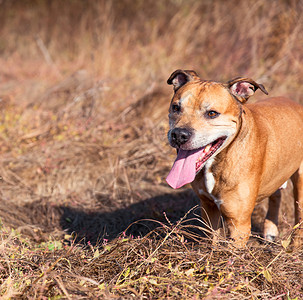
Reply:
x=235, y=154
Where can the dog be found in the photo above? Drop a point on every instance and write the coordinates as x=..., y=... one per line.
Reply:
x=234, y=153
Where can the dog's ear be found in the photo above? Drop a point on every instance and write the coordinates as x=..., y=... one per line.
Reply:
x=180, y=77
x=243, y=88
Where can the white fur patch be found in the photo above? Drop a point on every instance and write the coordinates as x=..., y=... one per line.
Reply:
x=210, y=184
x=209, y=177
x=283, y=186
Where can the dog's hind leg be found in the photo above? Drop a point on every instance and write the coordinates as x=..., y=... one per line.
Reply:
x=297, y=180
x=271, y=221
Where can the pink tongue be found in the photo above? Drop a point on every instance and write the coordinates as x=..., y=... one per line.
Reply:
x=184, y=168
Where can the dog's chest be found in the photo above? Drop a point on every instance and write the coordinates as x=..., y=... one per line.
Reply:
x=207, y=184
x=209, y=179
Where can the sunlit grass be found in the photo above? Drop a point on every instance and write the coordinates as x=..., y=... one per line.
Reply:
x=83, y=122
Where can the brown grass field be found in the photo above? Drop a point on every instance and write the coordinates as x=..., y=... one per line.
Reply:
x=85, y=212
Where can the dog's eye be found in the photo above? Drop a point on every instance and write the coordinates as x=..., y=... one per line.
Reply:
x=212, y=114
x=176, y=107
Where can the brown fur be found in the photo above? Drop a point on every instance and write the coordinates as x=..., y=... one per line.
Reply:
x=263, y=153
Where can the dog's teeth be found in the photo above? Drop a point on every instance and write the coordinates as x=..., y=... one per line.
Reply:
x=207, y=148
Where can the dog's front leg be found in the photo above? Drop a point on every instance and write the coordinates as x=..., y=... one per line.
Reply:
x=211, y=217
x=239, y=230
x=237, y=215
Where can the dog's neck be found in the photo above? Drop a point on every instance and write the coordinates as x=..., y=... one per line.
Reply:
x=219, y=171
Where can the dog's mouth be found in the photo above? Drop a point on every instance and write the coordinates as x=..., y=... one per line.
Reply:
x=207, y=152
x=190, y=162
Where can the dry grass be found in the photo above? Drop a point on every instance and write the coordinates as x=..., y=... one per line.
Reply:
x=163, y=264
x=84, y=151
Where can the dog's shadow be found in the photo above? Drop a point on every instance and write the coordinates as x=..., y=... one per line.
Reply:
x=136, y=220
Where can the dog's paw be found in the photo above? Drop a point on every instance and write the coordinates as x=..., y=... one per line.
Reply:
x=270, y=238
x=270, y=231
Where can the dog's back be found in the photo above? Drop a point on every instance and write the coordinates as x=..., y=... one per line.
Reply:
x=280, y=124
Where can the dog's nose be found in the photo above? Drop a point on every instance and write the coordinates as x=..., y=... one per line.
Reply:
x=180, y=136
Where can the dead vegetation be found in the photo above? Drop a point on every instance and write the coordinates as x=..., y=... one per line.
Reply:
x=85, y=211
x=162, y=264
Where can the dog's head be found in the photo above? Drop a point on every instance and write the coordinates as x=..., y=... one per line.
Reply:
x=204, y=118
